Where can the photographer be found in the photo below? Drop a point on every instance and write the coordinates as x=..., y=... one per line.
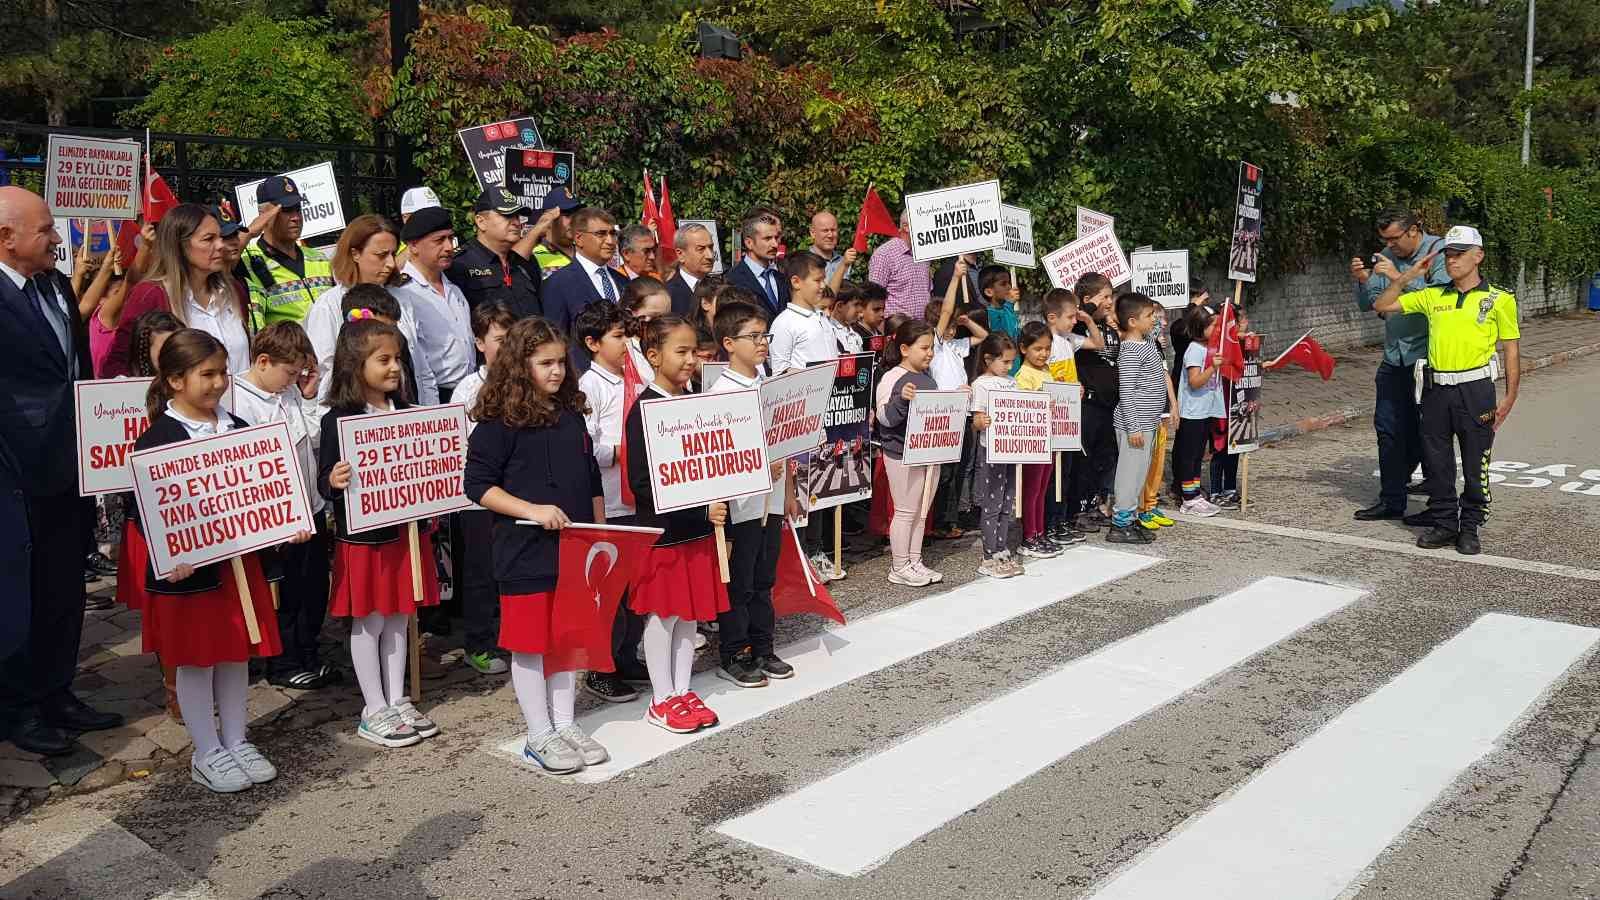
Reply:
x=1405, y=340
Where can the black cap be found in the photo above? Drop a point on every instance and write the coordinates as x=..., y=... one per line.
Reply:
x=424, y=222
x=225, y=218
x=558, y=198
x=499, y=200
x=280, y=189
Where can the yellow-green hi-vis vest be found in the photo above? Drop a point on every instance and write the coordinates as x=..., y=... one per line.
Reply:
x=278, y=294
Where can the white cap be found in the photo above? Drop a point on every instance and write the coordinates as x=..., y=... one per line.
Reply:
x=1461, y=237
x=418, y=198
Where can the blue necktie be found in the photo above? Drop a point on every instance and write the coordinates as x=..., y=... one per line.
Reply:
x=607, y=289
x=772, y=288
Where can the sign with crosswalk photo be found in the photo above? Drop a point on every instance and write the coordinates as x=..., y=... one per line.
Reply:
x=840, y=471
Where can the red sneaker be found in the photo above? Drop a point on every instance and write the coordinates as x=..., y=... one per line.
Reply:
x=698, y=707
x=674, y=715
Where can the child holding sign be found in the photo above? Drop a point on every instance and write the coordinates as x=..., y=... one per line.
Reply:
x=371, y=570
x=678, y=585
x=906, y=356
x=194, y=619
x=996, y=487
x=1036, y=343
x=530, y=458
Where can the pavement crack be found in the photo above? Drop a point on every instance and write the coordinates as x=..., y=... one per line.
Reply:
x=1506, y=882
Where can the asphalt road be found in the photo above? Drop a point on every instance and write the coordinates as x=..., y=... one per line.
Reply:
x=1290, y=704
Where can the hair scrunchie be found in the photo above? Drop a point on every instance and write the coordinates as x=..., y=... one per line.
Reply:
x=356, y=315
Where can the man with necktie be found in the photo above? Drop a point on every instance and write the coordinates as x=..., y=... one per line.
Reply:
x=758, y=272
x=587, y=279
x=47, y=349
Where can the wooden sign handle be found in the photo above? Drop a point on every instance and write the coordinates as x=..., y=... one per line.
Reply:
x=416, y=592
x=722, y=553
x=1058, y=477
x=1019, y=490
x=838, y=537
x=247, y=605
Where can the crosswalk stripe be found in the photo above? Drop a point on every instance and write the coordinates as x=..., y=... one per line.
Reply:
x=855, y=819
x=1307, y=825
x=844, y=654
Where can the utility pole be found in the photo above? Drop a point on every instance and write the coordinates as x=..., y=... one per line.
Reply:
x=1527, y=138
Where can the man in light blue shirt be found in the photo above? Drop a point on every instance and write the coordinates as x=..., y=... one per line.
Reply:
x=1405, y=340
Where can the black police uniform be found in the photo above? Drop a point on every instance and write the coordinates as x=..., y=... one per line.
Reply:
x=477, y=270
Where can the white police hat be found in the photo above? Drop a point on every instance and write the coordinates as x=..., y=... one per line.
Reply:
x=1461, y=237
x=418, y=198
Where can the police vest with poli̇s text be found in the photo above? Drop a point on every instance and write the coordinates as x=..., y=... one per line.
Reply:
x=277, y=293
x=1464, y=326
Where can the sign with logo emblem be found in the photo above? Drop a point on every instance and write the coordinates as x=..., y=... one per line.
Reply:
x=531, y=174
x=321, y=209
x=486, y=147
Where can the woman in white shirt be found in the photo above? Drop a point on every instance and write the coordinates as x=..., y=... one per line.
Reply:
x=366, y=255
x=190, y=280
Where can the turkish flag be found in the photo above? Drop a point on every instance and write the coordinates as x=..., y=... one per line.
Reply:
x=873, y=219
x=1307, y=354
x=1225, y=345
x=798, y=589
x=632, y=387
x=597, y=563
x=666, y=231
x=651, y=213
x=158, y=197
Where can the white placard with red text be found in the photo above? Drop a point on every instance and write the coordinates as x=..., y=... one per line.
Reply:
x=111, y=416
x=406, y=465
x=792, y=407
x=92, y=178
x=1066, y=415
x=1019, y=427
x=214, y=498
x=705, y=447
x=936, y=424
x=1090, y=221
x=1098, y=252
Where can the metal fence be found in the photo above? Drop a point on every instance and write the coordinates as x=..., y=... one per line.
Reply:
x=201, y=168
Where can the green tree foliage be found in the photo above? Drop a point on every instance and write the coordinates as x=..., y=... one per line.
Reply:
x=259, y=78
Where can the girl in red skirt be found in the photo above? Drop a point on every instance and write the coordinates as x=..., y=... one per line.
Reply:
x=530, y=458
x=678, y=584
x=372, y=569
x=193, y=618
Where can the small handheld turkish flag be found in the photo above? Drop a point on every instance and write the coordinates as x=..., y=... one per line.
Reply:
x=597, y=564
x=798, y=589
x=874, y=218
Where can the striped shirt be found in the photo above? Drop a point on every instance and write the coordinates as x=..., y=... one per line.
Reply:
x=905, y=279
x=1142, y=381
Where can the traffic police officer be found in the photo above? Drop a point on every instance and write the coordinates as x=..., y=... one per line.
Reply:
x=285, y=277
x=488, y=268
x=1465, y=320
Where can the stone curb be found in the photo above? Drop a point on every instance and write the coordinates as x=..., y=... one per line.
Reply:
x=1351, y=413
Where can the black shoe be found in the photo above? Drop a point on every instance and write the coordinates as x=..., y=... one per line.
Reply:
x=98, y=603
x=1467, y=542
x=1437, y=537
x=608, y=687
x=1417, y=488
x=1125, y=534
x=774, y=667
x=1422, y=519
x=35, y=736
x=1147, y=535
x=1096, y=517
x=99, y=562
x=90, y=576
x=68, y=712
x=1083, y=526
x=742, y=671
x=309, y=679
x=1378, y=511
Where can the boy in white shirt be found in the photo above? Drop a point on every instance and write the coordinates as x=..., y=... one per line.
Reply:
x=282, y=374
x=802, y=335
x=480, y=599
x=755, y=524
x=845, y=313
x=599, y=328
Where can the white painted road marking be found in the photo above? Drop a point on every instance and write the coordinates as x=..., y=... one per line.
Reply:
x=844, y=654
x=64, y=852
x=1314, y=819
x=854, y=820
x=1448, y=554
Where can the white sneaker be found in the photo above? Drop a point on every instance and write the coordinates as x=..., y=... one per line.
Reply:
x=825, y=568
x=1200, y=507
x=700, y=641
x=932, y=576
x=908, y=576
x=220, y=772
x=255, y=766
x=995, y=567
x=386, y=729
x=552, y=754
x=590, y=749
x=412, y=716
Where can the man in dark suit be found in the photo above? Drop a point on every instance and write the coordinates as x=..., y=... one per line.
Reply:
x=47, y=349
x=588, y=278
x=696, y=258
x=759, y=271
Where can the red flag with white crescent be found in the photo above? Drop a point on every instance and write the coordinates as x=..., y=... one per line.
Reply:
x=798, y=589
x=597, y=563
